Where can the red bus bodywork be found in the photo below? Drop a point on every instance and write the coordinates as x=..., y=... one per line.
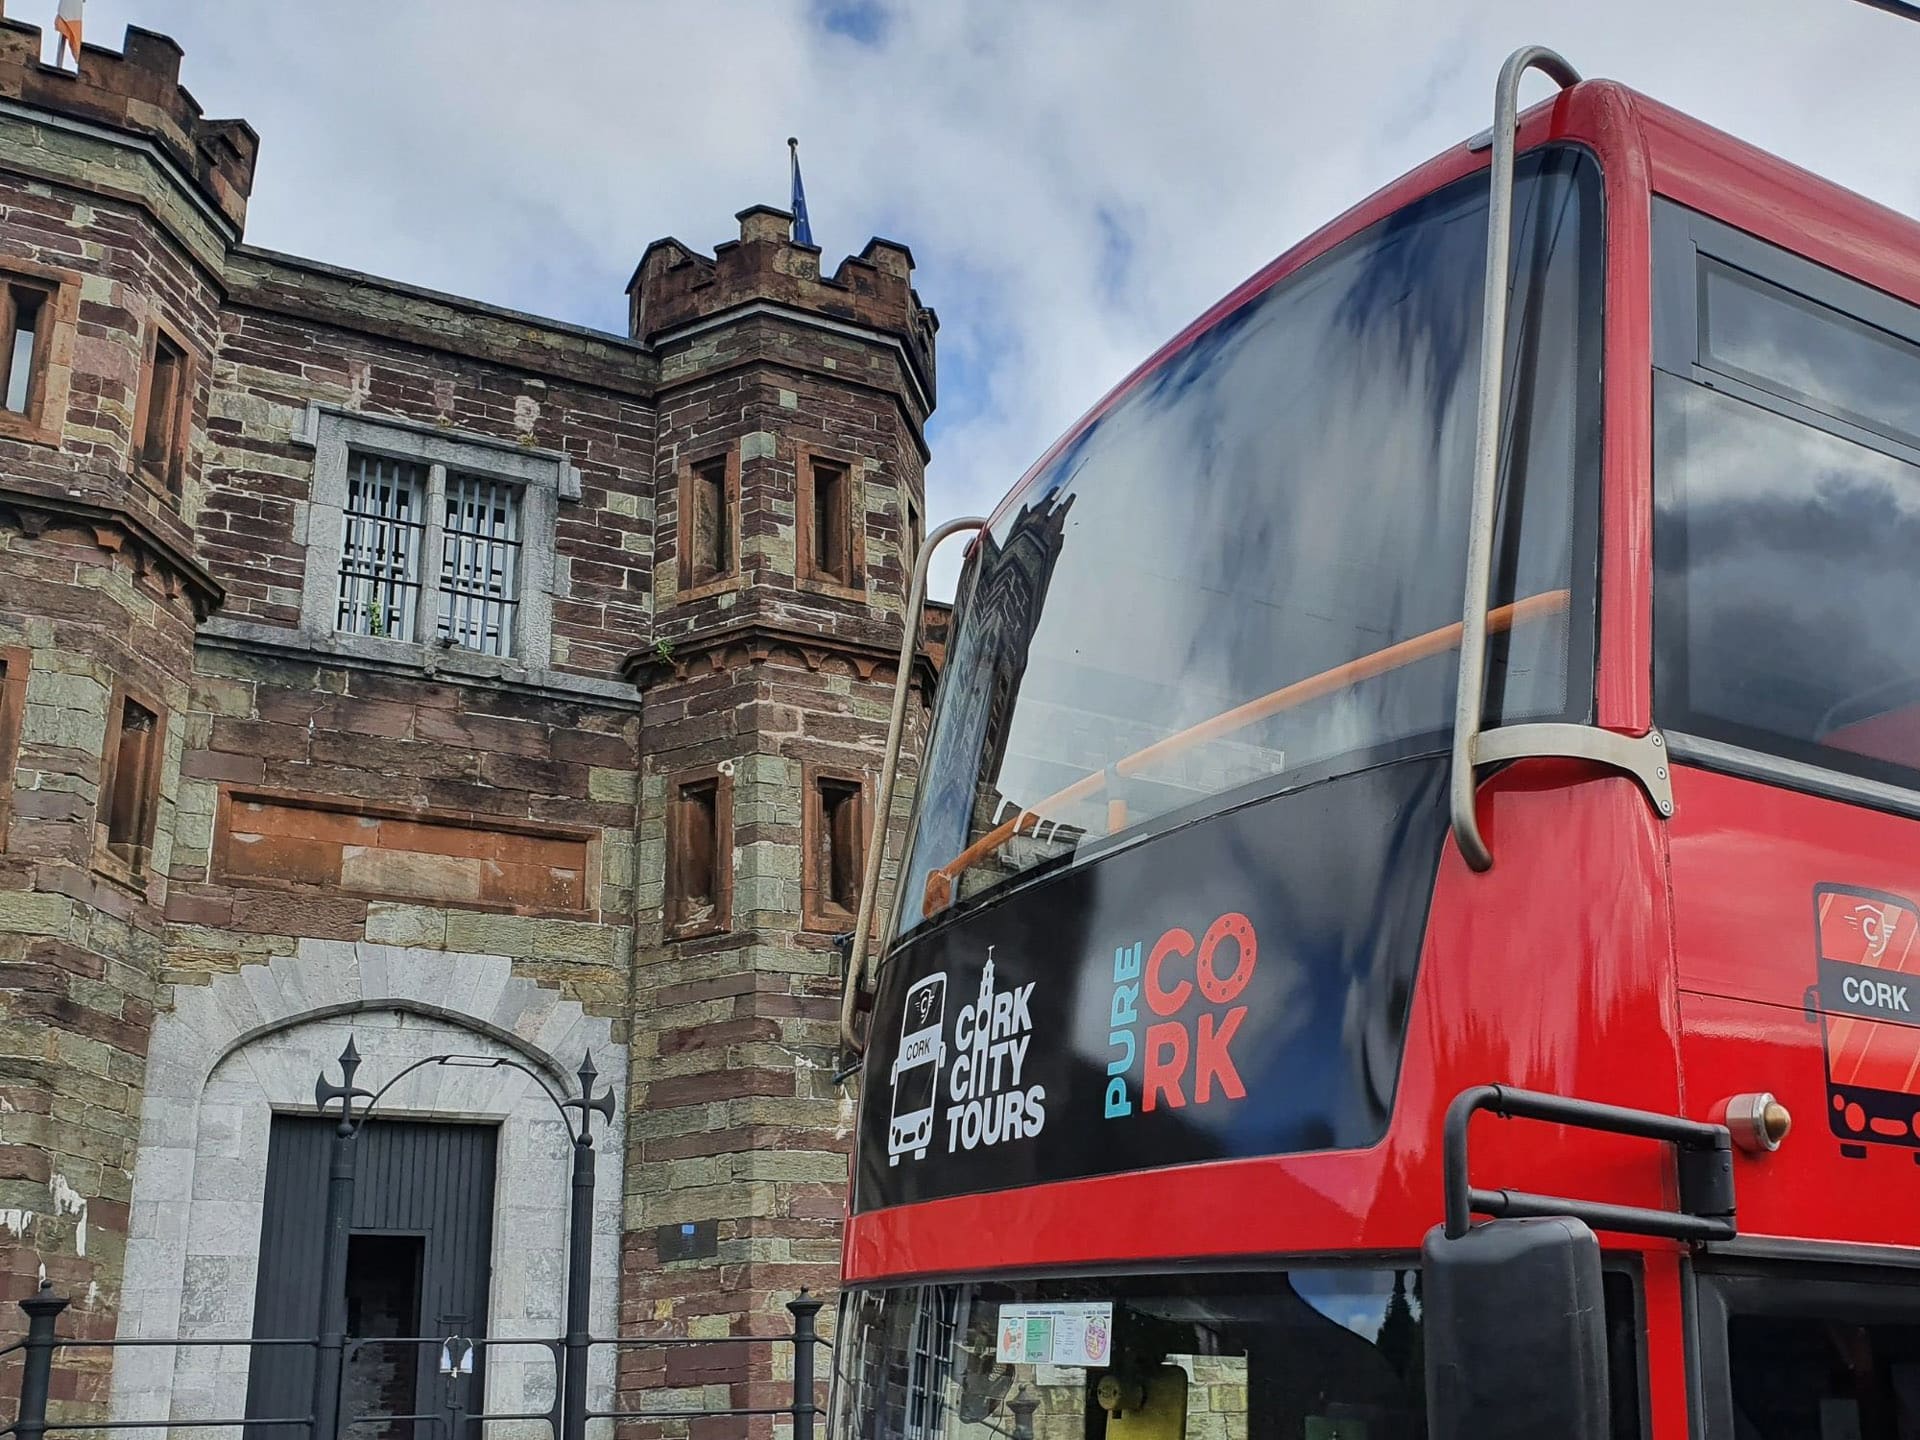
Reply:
x=1609, y=954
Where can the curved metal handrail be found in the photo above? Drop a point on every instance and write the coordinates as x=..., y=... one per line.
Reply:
x=1468, y=700
x=889, y=766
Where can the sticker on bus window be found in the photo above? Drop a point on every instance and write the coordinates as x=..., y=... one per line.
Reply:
x=1060, y=1334
x=1866, y=998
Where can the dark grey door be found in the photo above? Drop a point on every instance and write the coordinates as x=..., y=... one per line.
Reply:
x=417, y=1266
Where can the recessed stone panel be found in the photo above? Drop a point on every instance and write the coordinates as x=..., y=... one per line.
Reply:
x=446, y=858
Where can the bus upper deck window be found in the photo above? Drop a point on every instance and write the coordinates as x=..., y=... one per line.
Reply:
x=1787, y=486
x=1248, y=569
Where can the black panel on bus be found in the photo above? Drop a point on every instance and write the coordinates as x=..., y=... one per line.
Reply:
x=1236, y=987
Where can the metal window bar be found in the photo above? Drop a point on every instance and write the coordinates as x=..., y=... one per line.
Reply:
x=932, y=1362
x=480, y=564
x=380, y=551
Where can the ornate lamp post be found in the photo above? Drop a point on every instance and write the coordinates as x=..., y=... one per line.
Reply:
x=576, y=1113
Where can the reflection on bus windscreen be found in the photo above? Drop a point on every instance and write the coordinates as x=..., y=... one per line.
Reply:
x=1315, y=1353
x=1251, y=564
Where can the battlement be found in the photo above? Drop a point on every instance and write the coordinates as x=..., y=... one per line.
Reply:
x=674, y=285
x=136, y=89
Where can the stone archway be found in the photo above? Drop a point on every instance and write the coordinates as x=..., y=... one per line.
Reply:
x=250, y=1043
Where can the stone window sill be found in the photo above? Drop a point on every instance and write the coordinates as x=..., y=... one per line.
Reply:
x=833, y=921
x=31, y=429
x=407, y=657
x=815, y=585
x=159, y=483
x=129, y=874
x=698, y=929
x=725, y=585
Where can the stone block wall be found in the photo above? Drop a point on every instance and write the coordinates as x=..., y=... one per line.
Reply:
x=81, y=940
x=346, y=804
x=772, y=680
x=385, y=355
x=405, y=834
x=99, y=599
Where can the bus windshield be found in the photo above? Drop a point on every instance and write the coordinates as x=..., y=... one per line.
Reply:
x=1248, y=570
x=1311, y=1351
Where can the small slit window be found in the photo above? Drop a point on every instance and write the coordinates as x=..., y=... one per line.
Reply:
x=710, y=525
x=909, y=542
x=132, y=783
x=831, y=556
x=163, y=412
x=25, y=310
x=700, y=863
x=13, y=702
x=835, y=826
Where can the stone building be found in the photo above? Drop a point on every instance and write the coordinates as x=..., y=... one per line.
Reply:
x=379, y=662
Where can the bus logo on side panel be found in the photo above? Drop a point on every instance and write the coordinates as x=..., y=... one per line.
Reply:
x=1174, y=1017
x=1868, y=1001
x=992, y=1098
x=916, y=1069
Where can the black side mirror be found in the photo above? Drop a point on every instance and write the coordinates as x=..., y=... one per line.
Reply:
x=1515, y=1331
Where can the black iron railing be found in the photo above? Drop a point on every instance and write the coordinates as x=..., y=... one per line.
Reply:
x=566, y=1418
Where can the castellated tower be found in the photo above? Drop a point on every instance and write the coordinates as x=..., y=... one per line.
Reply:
x=114, y=283
x=789, y=472
x=381, y=664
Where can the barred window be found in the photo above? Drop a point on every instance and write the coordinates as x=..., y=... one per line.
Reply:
x=432, y=547
x=380, y=551
x=478, y=591
x=480, y=564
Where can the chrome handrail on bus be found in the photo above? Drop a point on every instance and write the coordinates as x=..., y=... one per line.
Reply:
x=889, y=766
x=1644, y=756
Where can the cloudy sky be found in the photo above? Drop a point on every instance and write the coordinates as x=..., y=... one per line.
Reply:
x=1076, y=178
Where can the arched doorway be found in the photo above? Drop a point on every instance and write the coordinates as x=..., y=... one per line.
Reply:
x=238, y=1058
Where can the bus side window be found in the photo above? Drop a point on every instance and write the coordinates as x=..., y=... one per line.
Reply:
x=1625, y=1327
x=1811, y=1360
x=1795, y=1375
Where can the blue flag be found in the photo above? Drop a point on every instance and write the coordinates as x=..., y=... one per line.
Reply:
x=802, y=230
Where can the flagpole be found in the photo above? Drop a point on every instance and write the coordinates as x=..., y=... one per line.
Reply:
x=802, y=226
x=67, y=23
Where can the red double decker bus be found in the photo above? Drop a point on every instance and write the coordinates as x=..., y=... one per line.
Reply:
x=1412, y=710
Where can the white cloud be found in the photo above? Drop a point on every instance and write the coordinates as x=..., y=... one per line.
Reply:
x=1077, y=178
